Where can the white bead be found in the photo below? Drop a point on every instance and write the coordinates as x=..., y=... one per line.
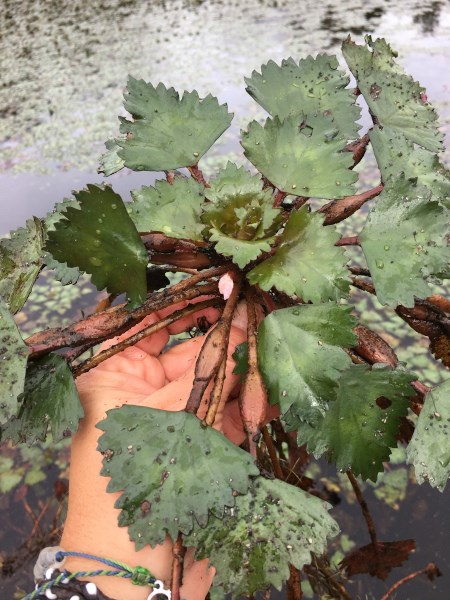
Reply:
x=74, y=598
x=91, y=589
x=48, y=574
x=50, y=595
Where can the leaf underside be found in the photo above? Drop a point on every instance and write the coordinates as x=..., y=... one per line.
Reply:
x=356, y=432
x=404, y=241
x=311, y=86
x=110, y=161
x=173, y=472
x=168, y=132
x=13, y=361
x=301, y=356
x=290, y=158
x=100, y=239
x=306, y=262
x=50, y=399
x=274, y=525
x=20, y=263
x=429, y=448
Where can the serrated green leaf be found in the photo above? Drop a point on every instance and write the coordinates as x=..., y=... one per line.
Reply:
x=395, y=154
x=274, y=525
x=394, y=98
x=356, y=433
x=233, y=181
x=172, y=470
x=306, y=262
x=241, y=251
x=404, y=241
x=110, y=161
x=20, y=263
x=301, y=356
x=13, y=361
x=291, y=159
x=50, y=399
x=63, y=273
x=429, y=448
x=313, y=85
x=173, y=209
x=168, y=132
x=101, y=239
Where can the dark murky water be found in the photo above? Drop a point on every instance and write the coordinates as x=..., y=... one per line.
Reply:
x=64, y=67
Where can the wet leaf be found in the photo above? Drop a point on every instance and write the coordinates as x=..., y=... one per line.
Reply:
x=13, y=361
x=168, y=132
x=273, y=525
x=63, y=273
x=306, y=262
x=395, y=154
x=172, y=209
x=20, y=263
x=357, y=432
x=173, y=471
x=290, y=158
x=313, y=85
x=233, y=181
x=110, y=161
x=301, y=356
x=100, y=239
x=404, y=241
x=394, y=98
x=50, y=400
x=429, y=448
x=379, y=558
x=240, y=356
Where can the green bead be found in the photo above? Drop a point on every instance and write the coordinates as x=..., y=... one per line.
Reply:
x=140, y=576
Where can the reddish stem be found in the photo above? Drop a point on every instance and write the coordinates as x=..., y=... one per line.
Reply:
x=178, y=553
x=338, y=210
x=364, y=507
x=352, y=240
x=279, y=197
x=430, y=571
x=198, y=175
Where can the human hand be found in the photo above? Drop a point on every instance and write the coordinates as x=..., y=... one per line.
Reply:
x=140, y=375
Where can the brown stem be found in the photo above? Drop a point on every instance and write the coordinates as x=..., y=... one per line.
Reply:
x=212, y=353
x=359, y=271
x=198, y=175
x=111, y=322
x=178, y=553
x=431, y=571
x=272, y=453
x=364, y=507
x=293, y=584
x=94, y=361
x=338, y=210
x=170, y=176
x=216, y=394
x=279, y=197
x=373, y=348
x=253, y=396
x=352, y=240
x=358, y=148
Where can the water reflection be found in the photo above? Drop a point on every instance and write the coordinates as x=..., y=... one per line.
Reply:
x=428, y=17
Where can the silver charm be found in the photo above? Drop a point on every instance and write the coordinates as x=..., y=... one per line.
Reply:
x=158, y=590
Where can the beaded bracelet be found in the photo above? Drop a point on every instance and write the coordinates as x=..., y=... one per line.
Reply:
x=52, y=558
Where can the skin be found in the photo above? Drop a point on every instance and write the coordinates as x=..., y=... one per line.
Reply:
x=140, y=375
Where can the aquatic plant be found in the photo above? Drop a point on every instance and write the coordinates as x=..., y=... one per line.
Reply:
x=266, y=236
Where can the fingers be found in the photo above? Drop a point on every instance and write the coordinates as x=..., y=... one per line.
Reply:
x=186, y=323
x=152, y=344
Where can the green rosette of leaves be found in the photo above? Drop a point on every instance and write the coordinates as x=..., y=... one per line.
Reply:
x=239, y=217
